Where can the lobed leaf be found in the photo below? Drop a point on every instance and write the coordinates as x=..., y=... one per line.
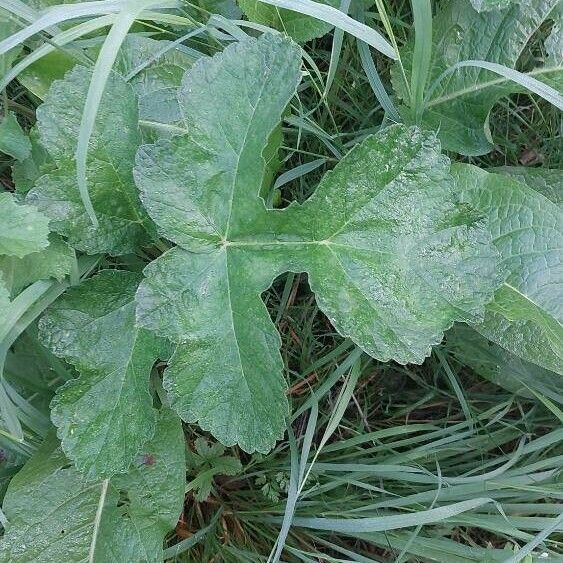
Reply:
x=105, y=415
x=207, y=462
x=392, y=256
x=56, y=515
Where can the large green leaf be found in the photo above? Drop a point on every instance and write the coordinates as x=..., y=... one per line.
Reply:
x=393, y=258
x=459, y=107
x=106, y=415
x=23, y=228
x=298, y=26
x=56, y=515
x=123, y=224
x=527, y=313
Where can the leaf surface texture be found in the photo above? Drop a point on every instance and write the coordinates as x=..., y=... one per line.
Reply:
x=392, y=256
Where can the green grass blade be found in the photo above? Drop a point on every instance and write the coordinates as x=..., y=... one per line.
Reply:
x=538, y=540
x=292, y=497
x=536, y=86
x=100, y=74
x=393, y=522
x=59, y=40
x=336, y=49
x=339, y=19
x=59, y=14
x=422, y=12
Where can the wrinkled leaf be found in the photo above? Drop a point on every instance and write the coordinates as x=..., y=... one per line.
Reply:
x=392, y=257
x=106, y=415
x=55, y=261
x=298, y=26
x=23, y=228
x=124, y=226
x=57, y=516
x=526, y=314
x=460, y=105
x=546, y=181
x=13, y=140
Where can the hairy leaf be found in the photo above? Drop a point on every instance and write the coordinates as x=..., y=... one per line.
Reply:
x=393, y=258
x=55, y=261
x=526, y=314
x=106, y=415
x=459, y=107
x=56, y=515
x=123, y=224
x=23, y=228
x=298, y=26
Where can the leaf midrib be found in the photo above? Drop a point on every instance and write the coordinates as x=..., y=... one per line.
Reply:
x=97, y=520
x=325, y=243
x=231, y=315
